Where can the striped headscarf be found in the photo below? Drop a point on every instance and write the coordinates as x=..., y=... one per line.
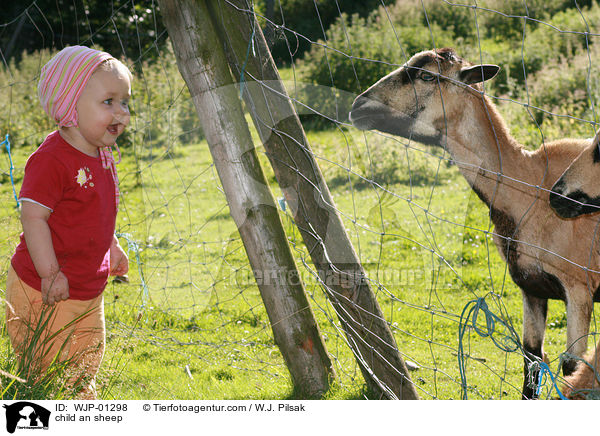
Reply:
x=62, y=80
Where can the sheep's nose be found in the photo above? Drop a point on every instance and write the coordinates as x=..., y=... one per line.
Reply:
x=355, y=111
x=361, y=100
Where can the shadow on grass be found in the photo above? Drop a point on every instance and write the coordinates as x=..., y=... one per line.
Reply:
x=337, y=392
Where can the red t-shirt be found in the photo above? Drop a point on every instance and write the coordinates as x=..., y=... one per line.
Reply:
x=81, y=195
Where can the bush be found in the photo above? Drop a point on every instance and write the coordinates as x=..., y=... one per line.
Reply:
x=163, y=112
x=568, y=88
x=504, y=19
x=302, y=17
x=457, y=19
x=21, y=115
x=561, y=38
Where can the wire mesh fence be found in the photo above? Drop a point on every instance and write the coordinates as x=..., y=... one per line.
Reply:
x=190, y=323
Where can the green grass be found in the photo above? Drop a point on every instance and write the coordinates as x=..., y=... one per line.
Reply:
x=191, y=324
x=199, y=330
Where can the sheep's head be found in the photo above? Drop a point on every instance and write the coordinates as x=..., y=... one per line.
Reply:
x=577, y=191
x=414, y=101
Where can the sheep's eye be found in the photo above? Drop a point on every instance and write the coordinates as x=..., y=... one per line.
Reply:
x=427, y=77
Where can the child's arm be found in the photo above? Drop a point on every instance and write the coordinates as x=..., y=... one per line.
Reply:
x=34, y=218
x=119, y=263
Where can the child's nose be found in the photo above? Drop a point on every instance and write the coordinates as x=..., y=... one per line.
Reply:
x=122, y=115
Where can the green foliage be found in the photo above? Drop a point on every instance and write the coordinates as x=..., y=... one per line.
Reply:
x=21, y=115
x=122, y=27
x=458, y=20
x=511, y=19
x=562, y=38
x=569, y=88
x=307, y=21
x=163, y=112
x=359, y=50
x=331, y=63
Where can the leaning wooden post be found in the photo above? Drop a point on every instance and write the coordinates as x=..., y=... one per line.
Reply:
x=203, y=66
x=306, y=191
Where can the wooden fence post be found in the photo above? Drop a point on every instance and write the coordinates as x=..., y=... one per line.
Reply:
x=204, y=68
x=341, y=273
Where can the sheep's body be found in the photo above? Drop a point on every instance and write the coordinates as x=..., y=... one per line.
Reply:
x=547, y=256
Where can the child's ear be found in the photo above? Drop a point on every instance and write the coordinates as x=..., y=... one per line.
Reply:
x=478, y=73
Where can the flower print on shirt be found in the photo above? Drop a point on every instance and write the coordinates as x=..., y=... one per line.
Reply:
x=84, y=178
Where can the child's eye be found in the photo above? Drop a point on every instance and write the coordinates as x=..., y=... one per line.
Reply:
x=107, y=101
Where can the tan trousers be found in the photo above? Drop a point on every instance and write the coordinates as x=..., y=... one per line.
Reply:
x=71, y=332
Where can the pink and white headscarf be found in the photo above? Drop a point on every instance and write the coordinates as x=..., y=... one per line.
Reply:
x=62, y=80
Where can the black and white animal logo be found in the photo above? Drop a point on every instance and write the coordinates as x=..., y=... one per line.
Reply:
x=24, y=414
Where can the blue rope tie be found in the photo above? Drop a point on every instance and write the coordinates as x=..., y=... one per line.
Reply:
x=250, y=46
x=282, y=204
x=6, y=143
x=133, y=246
x=545, y=369
x=509, y=342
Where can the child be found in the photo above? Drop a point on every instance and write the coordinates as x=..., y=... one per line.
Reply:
x=69, y=200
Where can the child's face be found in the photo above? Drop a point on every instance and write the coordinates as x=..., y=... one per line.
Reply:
x=103, y=108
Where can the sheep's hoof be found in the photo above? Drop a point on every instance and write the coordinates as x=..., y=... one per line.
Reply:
x=568, y=366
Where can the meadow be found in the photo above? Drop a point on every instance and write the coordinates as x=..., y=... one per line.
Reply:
x=190, y=323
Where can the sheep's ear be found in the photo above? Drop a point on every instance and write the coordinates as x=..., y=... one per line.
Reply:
x=478, y=73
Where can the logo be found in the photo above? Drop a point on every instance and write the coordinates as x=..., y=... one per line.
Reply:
x=26, y=415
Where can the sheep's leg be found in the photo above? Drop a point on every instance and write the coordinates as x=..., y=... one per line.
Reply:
x=579, y=312
x=534, y=325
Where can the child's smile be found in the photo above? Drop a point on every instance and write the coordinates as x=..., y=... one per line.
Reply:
x=113, y=129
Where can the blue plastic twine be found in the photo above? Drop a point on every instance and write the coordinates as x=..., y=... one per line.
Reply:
x=250, y=46
x=545, y=369
x=133, y=246
x=470, y=313
x=6, y=143
x=509, y=343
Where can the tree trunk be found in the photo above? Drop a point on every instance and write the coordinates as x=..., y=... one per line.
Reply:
x=338, y=267
x=203, y=66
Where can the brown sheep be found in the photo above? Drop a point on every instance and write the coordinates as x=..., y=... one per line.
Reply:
x=437, y=98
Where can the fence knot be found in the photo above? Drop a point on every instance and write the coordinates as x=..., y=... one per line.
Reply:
x=544, y=372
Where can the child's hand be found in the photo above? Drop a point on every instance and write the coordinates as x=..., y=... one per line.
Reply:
x=55, y=288
x=119, y=263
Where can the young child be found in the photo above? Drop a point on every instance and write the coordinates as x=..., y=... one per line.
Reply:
x=69, y=200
